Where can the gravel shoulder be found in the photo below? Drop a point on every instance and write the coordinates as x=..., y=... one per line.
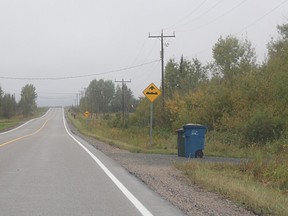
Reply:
x=160, y=174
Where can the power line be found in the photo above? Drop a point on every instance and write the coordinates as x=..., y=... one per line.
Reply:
x=140, y=51
x=54, y=98
x=148, y=54
x=247, y=26
x=205, y=12
x=79, y=76
x=57, y=93
x=217, y=18
x=197, y=8
x=260, y=18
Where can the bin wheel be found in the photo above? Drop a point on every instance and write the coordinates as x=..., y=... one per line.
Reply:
x=199, y=154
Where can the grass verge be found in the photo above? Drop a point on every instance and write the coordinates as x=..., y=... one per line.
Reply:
x=7, y=124
x=230, y=181
x=132, y=139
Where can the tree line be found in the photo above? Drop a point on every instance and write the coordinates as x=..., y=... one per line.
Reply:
x=102, y=96
x=231, y=94
x=26, y=106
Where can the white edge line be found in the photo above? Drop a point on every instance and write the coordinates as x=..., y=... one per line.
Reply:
x=9, y=131
x=141, y=208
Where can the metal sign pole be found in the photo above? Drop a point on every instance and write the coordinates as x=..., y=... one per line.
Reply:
x=151, y=121
x=151, y=92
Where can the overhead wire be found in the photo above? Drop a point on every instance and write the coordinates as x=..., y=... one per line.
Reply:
x=54, y=98
x=140, y=51
x=57, y=93
x=149, y=53
x=262, y=17
x=229, y=11
x=217, y=18
x=79, y=76
x=205, y=12
x=188, y=15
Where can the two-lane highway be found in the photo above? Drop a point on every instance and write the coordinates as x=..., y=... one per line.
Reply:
x=45, y=170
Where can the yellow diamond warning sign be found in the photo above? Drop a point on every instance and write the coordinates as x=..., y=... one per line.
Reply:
x=86, y=114
x=152, y=92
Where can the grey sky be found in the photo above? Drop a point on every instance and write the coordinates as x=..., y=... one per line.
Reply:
x=64, y=38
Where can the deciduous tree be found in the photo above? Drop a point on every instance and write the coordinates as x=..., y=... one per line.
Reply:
x=233, y=57
x=28, y=100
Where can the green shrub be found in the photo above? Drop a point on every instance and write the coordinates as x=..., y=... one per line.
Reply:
x=115, y=121
x=263, y=127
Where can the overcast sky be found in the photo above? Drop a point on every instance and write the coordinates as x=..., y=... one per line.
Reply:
x=101, y=39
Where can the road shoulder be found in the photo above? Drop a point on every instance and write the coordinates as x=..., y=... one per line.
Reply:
x=160, y=174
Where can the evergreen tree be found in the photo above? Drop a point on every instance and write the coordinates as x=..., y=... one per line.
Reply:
x=8, y=106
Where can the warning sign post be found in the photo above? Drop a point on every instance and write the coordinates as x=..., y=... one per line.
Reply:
x=152, y=93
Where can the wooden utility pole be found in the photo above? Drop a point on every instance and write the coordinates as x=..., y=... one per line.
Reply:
x=162, y=58
x=123, y=97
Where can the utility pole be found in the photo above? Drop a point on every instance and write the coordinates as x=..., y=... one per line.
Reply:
x=162, y=58
x=123, y=97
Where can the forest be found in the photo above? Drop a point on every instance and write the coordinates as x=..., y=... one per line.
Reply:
x=26, y=106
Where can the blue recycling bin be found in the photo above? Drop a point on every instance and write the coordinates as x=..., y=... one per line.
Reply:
x=194, y=140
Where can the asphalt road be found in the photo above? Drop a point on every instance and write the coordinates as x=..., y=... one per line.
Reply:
x=45, y=170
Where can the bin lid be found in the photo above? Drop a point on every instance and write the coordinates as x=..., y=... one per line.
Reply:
x=194, y=126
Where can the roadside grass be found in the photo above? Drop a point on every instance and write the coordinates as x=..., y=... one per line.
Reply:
x=6, y=124
x=131, y=139
x=163, y=142
x=260, y=184
x=226, y=145
x=230, y=181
